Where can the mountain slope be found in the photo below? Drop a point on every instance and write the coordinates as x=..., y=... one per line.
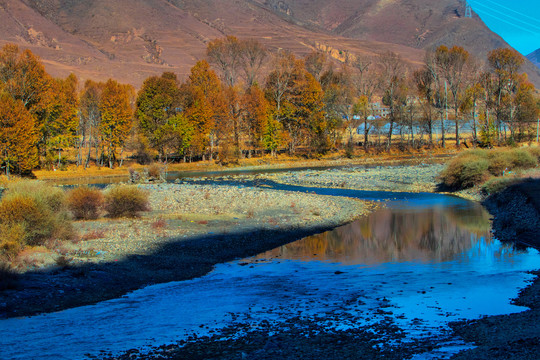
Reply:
x=534, y=57
x=133, y=39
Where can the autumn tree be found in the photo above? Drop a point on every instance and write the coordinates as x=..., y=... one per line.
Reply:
x=90, y=118
x=505, y=65
x=365, y=81
x=310, y=105
x=473, y=94
x=451, y=65
x=524, y=105
x=157, y=102
x=116, y=118
x=340, y=99
x=425, y=86
x=283, y=88
x=315, y=63
x=439, y=92
x=256, y=112
x=23, y=76
x=204, y=104
x=18, y=136
x=180, y=133
x=61, y=120
x=225, y=54
x=252, y=57
x=230, y=127
x=392, y=84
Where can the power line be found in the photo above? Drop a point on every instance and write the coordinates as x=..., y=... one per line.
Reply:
x=512, y=10
x=510, y=17
x=509, y=23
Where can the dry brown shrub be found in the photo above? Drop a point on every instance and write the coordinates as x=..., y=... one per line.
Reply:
x=522, y=159
x=499, y=161
x=159, y=224
x=126, y=200
x=32, y=213
x=535, y=152
x=36, y=220
x=155, y=171
x=11, y=241
x=93, y=235
x=466, y=171
x=85, y=202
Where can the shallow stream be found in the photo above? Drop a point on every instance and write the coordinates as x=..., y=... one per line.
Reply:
x=422, y=261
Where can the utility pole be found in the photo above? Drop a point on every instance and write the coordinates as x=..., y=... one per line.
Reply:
x=468, y=10
x=537, y=129
x=443, y=133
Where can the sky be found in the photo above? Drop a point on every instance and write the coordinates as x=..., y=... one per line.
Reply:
x=516, y=21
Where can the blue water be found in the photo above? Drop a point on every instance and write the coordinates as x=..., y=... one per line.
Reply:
x=426, y=259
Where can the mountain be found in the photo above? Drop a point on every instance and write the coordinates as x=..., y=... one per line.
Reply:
x=132, y=39
x=534, y=57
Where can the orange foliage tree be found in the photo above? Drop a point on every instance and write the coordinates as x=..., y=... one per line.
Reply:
x=116, y=118
x=203, y=104
x=18, y=136
x=256, y=112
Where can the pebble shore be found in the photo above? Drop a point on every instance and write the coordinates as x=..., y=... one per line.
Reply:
x=189, y=229
x=413, y=178
x=192, y=227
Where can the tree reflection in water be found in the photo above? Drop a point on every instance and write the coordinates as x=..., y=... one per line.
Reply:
x=427, y=235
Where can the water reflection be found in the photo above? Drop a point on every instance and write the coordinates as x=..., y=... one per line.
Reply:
x=389, y=235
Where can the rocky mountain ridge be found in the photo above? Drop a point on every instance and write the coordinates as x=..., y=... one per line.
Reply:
x=132, y=39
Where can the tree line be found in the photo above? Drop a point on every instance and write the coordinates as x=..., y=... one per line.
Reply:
x=244, y=101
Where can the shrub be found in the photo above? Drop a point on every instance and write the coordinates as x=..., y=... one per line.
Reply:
x=85, y=202
x=155, y=172
x=159, y=224
x=465, y=171
x=496, y=185
x=36, y=220
x=522, y=159
x=32, y=212
x=93, y=235
x=499, y=161
x=535, y=152
x=11, y=241
x=51, y=197
x=125, y=200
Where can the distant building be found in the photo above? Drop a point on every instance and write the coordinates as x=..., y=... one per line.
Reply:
x=380, y=110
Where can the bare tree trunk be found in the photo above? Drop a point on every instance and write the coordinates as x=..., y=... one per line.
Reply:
x=389, y=144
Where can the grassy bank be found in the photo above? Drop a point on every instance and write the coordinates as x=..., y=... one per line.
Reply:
x=490, y=171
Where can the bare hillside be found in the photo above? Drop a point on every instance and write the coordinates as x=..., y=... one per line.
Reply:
x=133, y=39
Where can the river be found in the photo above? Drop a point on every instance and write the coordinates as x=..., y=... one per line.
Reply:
x=420, y=262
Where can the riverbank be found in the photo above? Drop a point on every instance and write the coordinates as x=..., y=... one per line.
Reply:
x=189, y=230
x=516, y=213
x=410, y=178
x=193, y=227
x=266, y=163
